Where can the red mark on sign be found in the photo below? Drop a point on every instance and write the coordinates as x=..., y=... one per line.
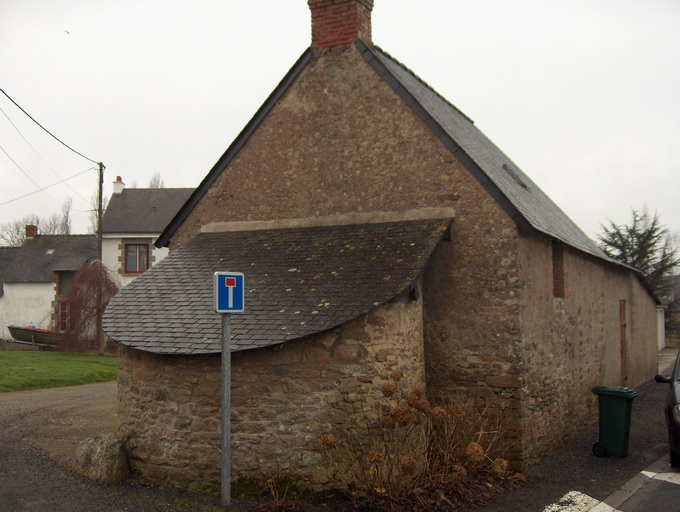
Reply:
x=230, y=281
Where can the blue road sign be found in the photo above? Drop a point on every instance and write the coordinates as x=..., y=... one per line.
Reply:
x=229, y=292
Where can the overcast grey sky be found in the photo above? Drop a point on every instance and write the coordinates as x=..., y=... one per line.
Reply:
x=584, y=95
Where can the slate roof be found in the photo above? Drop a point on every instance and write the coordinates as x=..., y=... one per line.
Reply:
x=143, y=210
x=37, y=259
x=520, y=197
x=6, y=256
x=506, y=182
x=299, y=281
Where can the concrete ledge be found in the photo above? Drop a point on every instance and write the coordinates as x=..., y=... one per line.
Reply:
x=331, y=220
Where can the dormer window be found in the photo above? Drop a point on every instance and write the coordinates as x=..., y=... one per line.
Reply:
x=136, y=258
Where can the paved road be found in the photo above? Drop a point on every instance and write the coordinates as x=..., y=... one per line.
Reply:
x=53, y=421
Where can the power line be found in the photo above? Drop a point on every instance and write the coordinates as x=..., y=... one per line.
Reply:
x=40, y=189
x=39, y=156
x=46, y=130
x=48, y=186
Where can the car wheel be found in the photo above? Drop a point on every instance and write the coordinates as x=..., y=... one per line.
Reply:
x=599, y=450
x=675, y=460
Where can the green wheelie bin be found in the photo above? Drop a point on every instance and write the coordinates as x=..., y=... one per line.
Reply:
x=615, y=406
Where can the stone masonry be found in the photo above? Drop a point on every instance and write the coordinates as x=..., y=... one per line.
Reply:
x=283, y=399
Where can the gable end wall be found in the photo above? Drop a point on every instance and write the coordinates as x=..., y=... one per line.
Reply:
x=340, y=140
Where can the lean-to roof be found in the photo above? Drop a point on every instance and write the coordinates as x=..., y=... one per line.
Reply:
x=299, y=281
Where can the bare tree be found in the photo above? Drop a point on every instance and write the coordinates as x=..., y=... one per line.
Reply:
x=65, y=219
x=156, y=181
x=94, y=206
x=13, y=233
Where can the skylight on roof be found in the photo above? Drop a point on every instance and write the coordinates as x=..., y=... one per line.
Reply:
x=515, y=176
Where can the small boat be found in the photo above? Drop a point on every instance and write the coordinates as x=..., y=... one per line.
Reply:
x=34, y=335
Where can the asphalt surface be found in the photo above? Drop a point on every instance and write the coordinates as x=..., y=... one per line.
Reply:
x=39, y=433
x=574, y=469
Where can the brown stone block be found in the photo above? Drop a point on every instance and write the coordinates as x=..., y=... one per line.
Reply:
x=318, y=355
x=347, y=352
x=382, y=355
x=305, y=374
x=376, y=320
x=503, y=381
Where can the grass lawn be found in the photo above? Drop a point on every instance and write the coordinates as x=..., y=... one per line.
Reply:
x=24, y=369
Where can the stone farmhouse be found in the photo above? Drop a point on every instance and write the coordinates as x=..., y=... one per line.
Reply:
x=379, y=230
x=36, y=277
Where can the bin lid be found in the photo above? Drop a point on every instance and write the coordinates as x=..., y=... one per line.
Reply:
x=617, y=391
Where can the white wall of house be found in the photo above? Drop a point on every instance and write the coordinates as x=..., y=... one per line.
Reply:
x=661, y=327
x=111, y=254
x=26, y=304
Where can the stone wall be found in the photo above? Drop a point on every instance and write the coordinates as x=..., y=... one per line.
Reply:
x=572, y=343
x=283, y=399
x=472, y=304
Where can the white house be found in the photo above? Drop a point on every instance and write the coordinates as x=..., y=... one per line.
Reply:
x=133, y=220
x=37, y=276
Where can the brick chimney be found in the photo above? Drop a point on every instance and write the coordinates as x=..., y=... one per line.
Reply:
x=118, y=185
x=31, y=231
x=338, y=22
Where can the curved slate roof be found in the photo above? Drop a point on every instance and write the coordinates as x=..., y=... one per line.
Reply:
x=299, y=281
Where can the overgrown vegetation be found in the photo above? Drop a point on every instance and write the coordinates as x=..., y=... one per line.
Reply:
x=281, y=495
x=418, y=456
x=24, y=369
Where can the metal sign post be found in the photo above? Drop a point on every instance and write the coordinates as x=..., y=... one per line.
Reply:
x=229, y=298
x=226, y=410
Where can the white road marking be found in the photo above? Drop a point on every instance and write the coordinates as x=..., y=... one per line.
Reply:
x=673, y=478
x=575, y=501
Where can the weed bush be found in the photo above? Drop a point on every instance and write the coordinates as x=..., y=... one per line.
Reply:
x=416, y=456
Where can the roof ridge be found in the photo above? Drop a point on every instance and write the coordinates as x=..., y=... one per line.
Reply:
x=54, y=235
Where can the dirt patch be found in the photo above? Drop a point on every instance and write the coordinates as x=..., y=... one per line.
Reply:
x=56, y=420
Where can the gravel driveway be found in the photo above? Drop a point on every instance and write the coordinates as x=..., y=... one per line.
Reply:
x=39, y=433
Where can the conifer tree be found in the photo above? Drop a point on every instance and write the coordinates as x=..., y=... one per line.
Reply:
x=644, y=244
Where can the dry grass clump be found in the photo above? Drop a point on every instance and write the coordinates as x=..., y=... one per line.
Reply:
x=417, y=456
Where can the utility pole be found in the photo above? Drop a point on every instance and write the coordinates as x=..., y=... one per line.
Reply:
x=100, y=292
x=100, y=200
